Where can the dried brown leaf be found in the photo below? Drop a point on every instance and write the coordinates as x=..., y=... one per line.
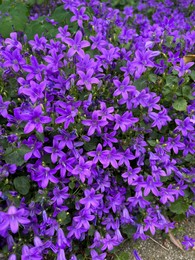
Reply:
x=189, y=57
x=175, y=241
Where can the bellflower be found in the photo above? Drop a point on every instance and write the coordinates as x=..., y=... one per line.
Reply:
x=13, y=42
x=160, y=119
x=3, y=107
x=77, y=45
x=82, y=169
x=123, y=87
x=87, y=79
x=38, y=44
x=13, y=60
x=188, y=242
x=79, y=16
x=183, y=68
x=34, y=70
x=91, y=200
x=35, y=120
x=12, y=219
x=95, y=123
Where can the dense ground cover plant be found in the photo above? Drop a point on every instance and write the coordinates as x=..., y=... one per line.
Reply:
x=97, y=128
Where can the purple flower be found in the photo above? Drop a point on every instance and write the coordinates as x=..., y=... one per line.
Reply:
x=188, y=242
x=54, y=61
x=60, y=195
x=175, y=144
x=151, y=224
x=4, y=107
x=34, y=70
x=44, y=175
x=63, y=33
x=61, y=255
x=109, y=243
x=38, y=44
x=96, y=256
x=131, y=174
x=82, y=169
x=184, y=126
x=87, y=79
x=106, y=112
x=35, y=120
x=12, y=219
x=35, y=147
x=183, y=68
x=77, y=45
x=98, y=41
x=67, y=114
x=112, y=156
x=14, y=59
x=167, y=194
x=125, y=121
x=55, y=150
x=143, y=60
x=83, y=219
x=91, y=200
x=160, y=119
x=126, y=157
x=62, y=241
x=12, y=42
x=79, y=16
x=32, y=253
x=123, y=88
x=95, y=123
x=135, y=253
x=35, y=91
x=151, y=186
x=98, y=155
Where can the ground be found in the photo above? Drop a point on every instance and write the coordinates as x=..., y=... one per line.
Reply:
x=163, y=248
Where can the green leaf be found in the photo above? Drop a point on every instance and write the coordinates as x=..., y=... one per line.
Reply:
x=187, y=92
x=152, y=77
x=64, y=217
x=192, y=75
x=180, y=104
x=22, y=184
x=179, y=206
x=90, y=146
x=151, y=142
x=123, y=256
x=16, y=156
x=128, y=230
x=171, y=80
x=140, y=83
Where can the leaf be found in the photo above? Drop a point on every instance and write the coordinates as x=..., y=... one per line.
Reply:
x=187, y=92
x=123, y=256
x=22, y=184
x=140, y=83
x=16, y=156
x=64, y=217
x=192, y=75
x=152, y=78
x=180, y=104
x=90, y=146
x=171, y=80
x=179, y=206
x=175, y=241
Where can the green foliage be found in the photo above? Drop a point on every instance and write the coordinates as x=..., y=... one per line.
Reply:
x=22, y=185
x=16, y=155
x=180, y=104
x=179, y=206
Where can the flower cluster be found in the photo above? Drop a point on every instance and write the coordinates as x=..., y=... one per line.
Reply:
x=97, y=130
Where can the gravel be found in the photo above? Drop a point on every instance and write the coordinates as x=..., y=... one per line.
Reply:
x=151, y=250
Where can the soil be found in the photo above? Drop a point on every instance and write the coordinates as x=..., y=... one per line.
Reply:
x=159, y=248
